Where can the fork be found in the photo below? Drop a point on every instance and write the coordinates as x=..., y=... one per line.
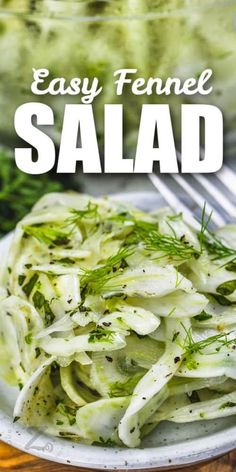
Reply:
x=220, y=208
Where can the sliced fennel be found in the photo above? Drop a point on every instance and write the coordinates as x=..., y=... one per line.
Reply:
x=113, y=320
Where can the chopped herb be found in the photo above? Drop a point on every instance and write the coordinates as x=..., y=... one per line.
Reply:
x=231, y=266
x=100, y=334
x=20, y=385
x=67, y=261
x=223, y=301
x=227, y=405
x=203, y=316
x=37, y=352
x=21, y=279
x=28, y=338
x=119, y=389
x=107, y=442
x=49, y=315
x=227, y=288
x=68, y=412
x=28, y=287
x=38, y=299
x=40, y=302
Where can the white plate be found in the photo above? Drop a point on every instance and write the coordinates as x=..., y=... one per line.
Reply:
x=168, y=446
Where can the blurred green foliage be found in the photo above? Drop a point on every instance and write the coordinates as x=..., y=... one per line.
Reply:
x=19, y=191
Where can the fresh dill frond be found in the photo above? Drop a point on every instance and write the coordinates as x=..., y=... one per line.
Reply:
x=192, y=347
x=204, y=226
x=169, y=245
x=216, y=247
x=153, y=240
x=120, y=389
x=50, y=235
x=19, y=191
x=89, y=212
x=93, y=280
x=211, y=242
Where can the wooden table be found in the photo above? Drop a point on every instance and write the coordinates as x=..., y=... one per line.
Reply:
x=13, y=460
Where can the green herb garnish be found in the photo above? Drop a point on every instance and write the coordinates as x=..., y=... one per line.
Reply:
x=203, y=316
x=231, y=266
x=93, y=280
x=100, y=334
x=66, y=261
x=50, y=235
x=40, y=301
x=49, y=315
x=90, y=212
x=223, y=301
x=28, y=287
x=227, y=405
x=227, y=288
x=28, y=338
x=147, y=233
x=21, y=279
x=37, y=352
x=68, y=412
x=191, y=347
x=119, y=389
x=211, y=242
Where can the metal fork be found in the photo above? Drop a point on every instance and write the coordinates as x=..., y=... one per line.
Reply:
x=216, y=194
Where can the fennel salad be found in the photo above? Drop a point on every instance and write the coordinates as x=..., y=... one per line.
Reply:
x=113, y=320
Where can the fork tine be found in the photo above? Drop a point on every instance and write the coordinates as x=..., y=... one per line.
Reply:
x=216, y=194
x=173, y=201
x=228, y=178
x=195, y=195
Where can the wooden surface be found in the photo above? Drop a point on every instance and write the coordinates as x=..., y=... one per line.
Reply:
x=13, y=460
